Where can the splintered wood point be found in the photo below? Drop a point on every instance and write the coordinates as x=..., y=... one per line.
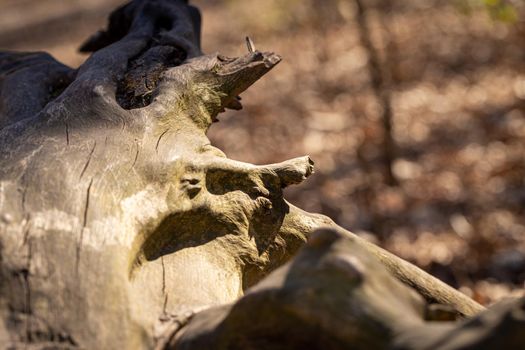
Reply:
x=250, y=45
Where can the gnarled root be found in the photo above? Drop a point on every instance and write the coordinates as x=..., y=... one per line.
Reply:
x=335, y=295
x=432, y=289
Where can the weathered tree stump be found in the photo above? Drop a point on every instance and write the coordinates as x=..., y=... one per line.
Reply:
x=119, y=221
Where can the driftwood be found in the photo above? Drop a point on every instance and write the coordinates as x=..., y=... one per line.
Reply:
x=120, y=225
x=335, y=295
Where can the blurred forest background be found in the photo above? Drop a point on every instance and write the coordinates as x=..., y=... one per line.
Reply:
x=413, y=110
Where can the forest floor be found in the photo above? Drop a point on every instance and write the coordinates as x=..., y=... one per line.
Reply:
x=457, y=84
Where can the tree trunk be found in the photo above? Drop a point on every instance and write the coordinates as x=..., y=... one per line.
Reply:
x=119, y=220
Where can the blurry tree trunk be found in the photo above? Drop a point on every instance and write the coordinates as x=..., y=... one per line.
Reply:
x=120, y=223
x=380, y=81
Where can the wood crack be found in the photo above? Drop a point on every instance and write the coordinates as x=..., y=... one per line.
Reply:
x=163, y=275
x=164, y=306
x=84, y=223
x=27, y=228
x=160, y=137
x=89, y=159
x=136, y=156
x=24, y=193
x=27, y=307
x=67, y=134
